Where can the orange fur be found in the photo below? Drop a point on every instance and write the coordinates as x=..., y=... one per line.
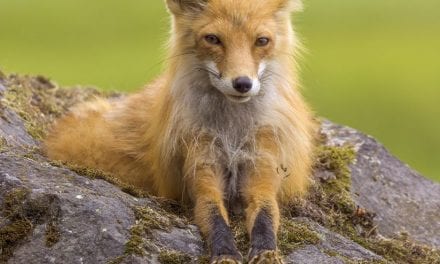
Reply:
x=156, y=141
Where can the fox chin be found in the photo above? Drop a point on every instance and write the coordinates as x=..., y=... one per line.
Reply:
x=224, y=128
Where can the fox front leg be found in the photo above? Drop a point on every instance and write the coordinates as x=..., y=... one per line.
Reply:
x=211, y=216
x=263, y=240
x=262, y=214
x=263, y=221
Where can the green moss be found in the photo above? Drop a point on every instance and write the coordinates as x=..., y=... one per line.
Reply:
x=294, y=235
x=351, y=261
x=17, y=227
x=347, y=260
x=400, y=249
x=356, y=261
x=13, y=202
x=335, y=159
x=173, y=257
x=330, y=253
x=29, y=156
x=135, y=243
x=33, y=153
x=117, y=260
x=205, y=259
x=147, y=220
x=152, y=219
x=97, y=174
x=52, y=234
x=3, y=144
x=238, y=228
x=11, y=235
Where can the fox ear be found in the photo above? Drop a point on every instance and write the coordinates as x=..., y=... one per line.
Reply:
x=179, y=7
x=291, y=5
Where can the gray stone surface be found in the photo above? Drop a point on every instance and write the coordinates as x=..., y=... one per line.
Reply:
x=402, y=199
x=311, y=255
x=95, y=216
x=330, y=244
x=12, y=130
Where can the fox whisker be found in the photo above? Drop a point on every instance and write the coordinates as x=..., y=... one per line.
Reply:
x=168, y=59
x=210, y=71
x=273, y=74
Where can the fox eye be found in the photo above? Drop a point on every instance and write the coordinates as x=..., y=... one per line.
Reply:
x=261, y=42
x=212, y=39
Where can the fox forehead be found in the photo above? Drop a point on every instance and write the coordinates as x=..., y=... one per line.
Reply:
x=245, y=8
x=232, y=17
x=235, y=10
x=229, y=18
x=241, y=11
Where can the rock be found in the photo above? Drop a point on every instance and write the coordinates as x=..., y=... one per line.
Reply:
x=60, y=213
x=330, y=243
x=402, y=199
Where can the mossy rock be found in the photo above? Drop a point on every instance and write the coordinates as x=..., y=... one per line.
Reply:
x=49, y=207
x=294, y=235
x=39, y=101
x=22, y=212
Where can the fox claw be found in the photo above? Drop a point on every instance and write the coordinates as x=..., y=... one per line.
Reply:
x=267, y=257
x=225, y=260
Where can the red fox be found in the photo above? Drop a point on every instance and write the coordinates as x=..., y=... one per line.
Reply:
x=223, y=128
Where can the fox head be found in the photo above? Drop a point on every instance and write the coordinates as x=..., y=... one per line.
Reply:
x=234, y=41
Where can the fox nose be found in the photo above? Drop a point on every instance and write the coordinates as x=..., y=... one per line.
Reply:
x=242, y=84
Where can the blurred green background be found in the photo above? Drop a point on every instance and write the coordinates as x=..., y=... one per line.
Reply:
x=371, y=64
